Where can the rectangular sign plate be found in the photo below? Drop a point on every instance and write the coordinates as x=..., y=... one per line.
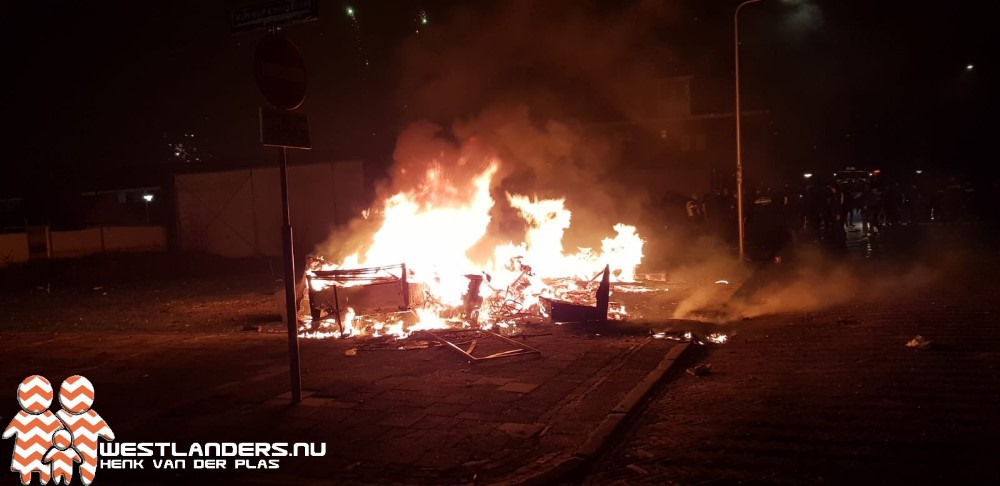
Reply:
x=284, y=129
x=273, y=14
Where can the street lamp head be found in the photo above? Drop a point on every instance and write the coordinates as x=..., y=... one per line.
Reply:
x=969, y=67
x=807, y=175
x=147, y=197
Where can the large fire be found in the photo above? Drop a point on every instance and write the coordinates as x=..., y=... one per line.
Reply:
x=432, y=229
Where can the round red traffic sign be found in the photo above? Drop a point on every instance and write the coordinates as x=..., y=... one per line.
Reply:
x=281, y=74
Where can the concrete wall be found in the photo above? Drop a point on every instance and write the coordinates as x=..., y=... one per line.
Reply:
x=237, y=213
x=135, y=238
x=90, y=241
x=13, y=248
x=69, y=244
x=215, y=213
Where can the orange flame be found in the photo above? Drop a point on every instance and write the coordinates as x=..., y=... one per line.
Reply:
x=433, y=226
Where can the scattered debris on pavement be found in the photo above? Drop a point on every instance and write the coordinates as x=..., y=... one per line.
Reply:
x=351, y=352
x=692, y=337
x=421, y=344
x=919, y=342
x=700, y=370
x=467, y=341
x=644, y=454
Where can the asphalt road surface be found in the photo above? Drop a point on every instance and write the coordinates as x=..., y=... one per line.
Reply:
x=825, y=388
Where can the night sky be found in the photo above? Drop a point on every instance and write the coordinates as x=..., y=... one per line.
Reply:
x=95, y=86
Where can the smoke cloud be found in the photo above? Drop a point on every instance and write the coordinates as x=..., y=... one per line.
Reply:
x=563, y=59
x=814, y=281
x=805, y=16
x=515, y=82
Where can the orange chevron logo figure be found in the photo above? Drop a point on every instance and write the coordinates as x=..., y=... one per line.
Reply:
x=49, y=443
x=32, y=428
x=61, y=457
x=76, y=395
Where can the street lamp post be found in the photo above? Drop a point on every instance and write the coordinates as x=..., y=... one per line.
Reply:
x=148, y=198
x=739, y=151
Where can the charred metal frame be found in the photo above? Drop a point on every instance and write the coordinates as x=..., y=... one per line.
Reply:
x=472, y=300
x=520, y=349
x=360, y=276
x=560, y=311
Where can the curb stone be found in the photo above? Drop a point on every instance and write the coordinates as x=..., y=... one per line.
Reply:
x=600, y=437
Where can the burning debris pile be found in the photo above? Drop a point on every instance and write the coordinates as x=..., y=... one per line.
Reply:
x=415, y=272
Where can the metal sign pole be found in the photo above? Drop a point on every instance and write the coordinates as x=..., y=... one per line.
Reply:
x=281, y=77
x=289, y=256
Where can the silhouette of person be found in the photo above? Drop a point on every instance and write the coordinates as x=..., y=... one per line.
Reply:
x=61, y=457
x=76, y=395
x=33, y=427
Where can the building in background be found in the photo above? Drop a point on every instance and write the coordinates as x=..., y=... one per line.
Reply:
x=671, y=149
x=237, y=212
x=213, y=209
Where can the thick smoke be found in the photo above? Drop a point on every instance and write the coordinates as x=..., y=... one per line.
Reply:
x=523, y=82
x=564, y=59
x=814, y=281
x=805, y=16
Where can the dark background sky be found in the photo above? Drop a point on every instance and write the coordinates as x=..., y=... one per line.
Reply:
x=95, y=86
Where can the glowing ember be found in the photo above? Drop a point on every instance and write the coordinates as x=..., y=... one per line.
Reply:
x=628, y=289
x=717, y=338
x=433, y=227
x=328, y=329
x=688, y=336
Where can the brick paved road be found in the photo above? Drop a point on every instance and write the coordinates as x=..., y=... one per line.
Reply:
x=836, y=397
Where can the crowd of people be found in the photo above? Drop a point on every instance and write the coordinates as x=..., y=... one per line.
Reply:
x=820, y=212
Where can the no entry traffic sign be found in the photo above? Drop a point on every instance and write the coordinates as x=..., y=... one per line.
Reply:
x=281, y=74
